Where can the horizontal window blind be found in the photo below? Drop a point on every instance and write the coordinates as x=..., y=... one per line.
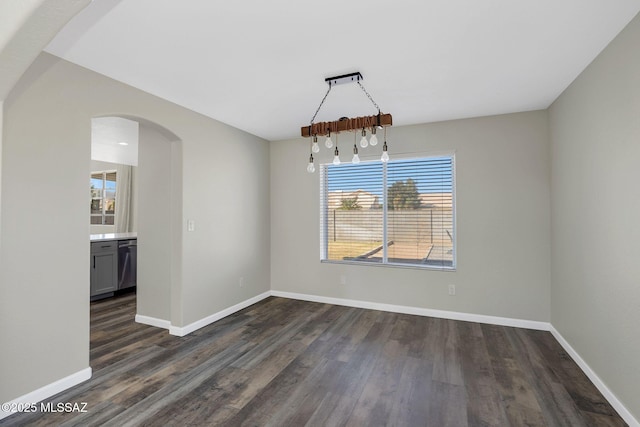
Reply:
x=353, y=212
x=400, y=212
x=420, y=211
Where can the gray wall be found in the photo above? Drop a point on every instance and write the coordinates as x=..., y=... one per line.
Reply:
x=1, y=138
x=155, y=227
x=44, y=270
x=595, y=140
x=502, y=194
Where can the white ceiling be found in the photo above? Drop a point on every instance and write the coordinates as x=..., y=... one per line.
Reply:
x=108, y=138
x=260, y=65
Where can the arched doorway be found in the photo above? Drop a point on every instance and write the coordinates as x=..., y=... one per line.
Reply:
x=157, y=201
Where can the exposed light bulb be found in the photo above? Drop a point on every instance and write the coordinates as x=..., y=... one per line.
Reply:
x=315, y=147
x=374, y=139
x=311, y=167
x=385, y=155
x=363, y=141
x=356, y=158
x=336, y=157
x=328, y=142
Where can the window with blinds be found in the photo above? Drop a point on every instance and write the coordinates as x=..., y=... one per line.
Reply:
x=398, y=213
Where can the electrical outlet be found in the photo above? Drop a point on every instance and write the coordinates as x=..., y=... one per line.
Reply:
x=191, y=225
x=343, y=279
x=452, y=289
x=241, y=281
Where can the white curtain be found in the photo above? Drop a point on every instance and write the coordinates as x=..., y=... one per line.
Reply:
x=123, y=221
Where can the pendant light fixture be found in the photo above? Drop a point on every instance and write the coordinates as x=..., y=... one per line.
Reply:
x=356, y=158
x=311, y=167
x=328, y=142
x=363, y=142
x=385, y=156
x=346, y=124
x=373, y=141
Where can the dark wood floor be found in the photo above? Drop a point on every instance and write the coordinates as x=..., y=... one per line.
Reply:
x=290, y=363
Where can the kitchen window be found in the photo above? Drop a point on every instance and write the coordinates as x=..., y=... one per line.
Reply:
x=103, y=197
x=398, y=213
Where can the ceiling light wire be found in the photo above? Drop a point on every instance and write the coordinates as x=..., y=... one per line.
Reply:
x=320, y=106
x=368, y=96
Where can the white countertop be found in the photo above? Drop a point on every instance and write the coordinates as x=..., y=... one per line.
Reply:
x=112, y=236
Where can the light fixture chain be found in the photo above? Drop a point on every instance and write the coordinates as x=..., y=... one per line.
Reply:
x=320, y=106
x=369, y=96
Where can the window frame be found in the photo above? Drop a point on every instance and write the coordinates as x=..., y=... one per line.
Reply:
x=103, y=215
x=323, y=169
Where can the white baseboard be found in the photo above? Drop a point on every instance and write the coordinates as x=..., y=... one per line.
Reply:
x=153, y=321
x=443, y=314
x=595, y=379
x=184, y=330
x=49, y=390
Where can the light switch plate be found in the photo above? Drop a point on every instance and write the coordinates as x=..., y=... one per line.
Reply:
x=191, y=225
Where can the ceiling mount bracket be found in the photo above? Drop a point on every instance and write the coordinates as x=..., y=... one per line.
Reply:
x=344, y=78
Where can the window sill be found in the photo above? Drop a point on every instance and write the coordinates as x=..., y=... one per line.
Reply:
x=391, y=265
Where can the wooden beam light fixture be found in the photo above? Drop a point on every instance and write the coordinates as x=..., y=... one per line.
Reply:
x=347, y=124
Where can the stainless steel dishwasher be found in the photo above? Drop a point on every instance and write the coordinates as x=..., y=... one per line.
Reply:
x=127, y=263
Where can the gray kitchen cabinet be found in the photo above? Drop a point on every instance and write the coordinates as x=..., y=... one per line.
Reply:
x=104, y=268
